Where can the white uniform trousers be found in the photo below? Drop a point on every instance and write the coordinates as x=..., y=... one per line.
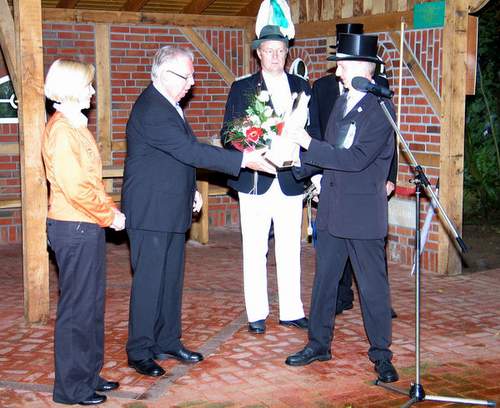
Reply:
x=256, y=214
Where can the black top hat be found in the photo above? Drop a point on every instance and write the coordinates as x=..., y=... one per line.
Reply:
x=356, y=47
x=269, y=32
x=347, y=28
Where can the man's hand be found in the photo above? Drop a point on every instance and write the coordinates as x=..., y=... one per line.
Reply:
x=389, y=187
x=255, y=161
x=119, y=220
x=299, y=136
x=198, y=202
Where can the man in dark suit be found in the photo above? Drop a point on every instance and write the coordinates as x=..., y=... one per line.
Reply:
x=268, y=199
x=159, y=189
x=352, y=215
x=325, y=92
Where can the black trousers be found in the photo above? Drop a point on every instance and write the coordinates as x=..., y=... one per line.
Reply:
x=80, y=250
x=345, y=294
x=368, y=261
x=156, y=297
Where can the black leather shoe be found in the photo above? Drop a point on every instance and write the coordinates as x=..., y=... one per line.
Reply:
x=386, y=371
x=182, y=354
x=301, y=323
x=106, y=385
x=146, y=367
x=257, y=327
x=343, y=306
x=94, y=399
x=307, y=356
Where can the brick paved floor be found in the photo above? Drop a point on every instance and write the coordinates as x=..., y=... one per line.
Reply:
x=460, y=344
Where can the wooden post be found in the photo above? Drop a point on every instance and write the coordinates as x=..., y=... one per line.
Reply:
x=29, y=51
x=452, y=130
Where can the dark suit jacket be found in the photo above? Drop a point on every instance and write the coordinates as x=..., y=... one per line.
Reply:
x=162, y=153
x=237, y=102
x=325, y=92
x=353, y=200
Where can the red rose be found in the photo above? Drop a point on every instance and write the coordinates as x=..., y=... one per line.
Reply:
x=279, y=128
x=253, y=134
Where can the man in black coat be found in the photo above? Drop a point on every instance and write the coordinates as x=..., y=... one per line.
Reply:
x=158, y=197
x=268, y=199
x=325, y=92
x=352, y=216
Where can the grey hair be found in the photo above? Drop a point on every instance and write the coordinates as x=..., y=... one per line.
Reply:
x=166, y=55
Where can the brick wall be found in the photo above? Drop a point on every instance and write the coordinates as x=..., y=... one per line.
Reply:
x=132, y=48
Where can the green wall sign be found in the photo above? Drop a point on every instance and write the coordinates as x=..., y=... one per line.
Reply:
x=429, y=15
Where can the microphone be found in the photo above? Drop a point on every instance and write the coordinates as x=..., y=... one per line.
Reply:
x=365, y=85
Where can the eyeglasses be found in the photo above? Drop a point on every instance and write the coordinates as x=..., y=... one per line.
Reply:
x=269, y=52
x=185, y=78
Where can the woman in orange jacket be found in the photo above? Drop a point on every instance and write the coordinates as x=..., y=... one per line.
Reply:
x=79, y=209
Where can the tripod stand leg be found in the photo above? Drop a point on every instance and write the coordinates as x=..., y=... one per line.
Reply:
x=467, y=401
x=391, y=388
x=409, y=403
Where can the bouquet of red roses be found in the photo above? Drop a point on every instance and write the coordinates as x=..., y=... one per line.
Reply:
x=257, y=128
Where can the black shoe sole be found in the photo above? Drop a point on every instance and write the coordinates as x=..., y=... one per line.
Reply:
x=323, y=357
x=147, y=373
x=388, y=379
x=165, y=356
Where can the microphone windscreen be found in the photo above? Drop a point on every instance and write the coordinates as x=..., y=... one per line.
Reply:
x=361, y=84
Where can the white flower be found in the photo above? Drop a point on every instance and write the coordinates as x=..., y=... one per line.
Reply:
x=255, y=120
x=268, y=111
x=263, y=96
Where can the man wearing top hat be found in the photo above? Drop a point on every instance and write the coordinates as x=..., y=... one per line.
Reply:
x=325, y=92
x=268, y=199
x=355, y=157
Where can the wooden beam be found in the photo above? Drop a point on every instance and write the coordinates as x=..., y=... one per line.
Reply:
x=134, y=5
x=69, y=4
x=207, y=51
x=103, y=86
x=452, y=130
x=29, y=51
x=197, y=6
x=248, y=36
x=476, y=5
x=418, y=74
x=127, y=17
x=8, y=43
x=251, y=9
x=372, y=24
x=9, y=149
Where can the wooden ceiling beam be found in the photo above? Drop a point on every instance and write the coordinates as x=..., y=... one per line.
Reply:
x=197, y=6
x=251, y=9
x=8, y=43
x=128, y=17
x=372, y=24
x=134, y=5
x=69, y=4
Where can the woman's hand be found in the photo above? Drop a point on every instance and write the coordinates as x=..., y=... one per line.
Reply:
x=119, y=220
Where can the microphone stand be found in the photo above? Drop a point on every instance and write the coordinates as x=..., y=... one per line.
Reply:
x=416, y=393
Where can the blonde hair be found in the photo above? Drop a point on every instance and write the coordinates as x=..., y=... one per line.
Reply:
x=66, y=78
